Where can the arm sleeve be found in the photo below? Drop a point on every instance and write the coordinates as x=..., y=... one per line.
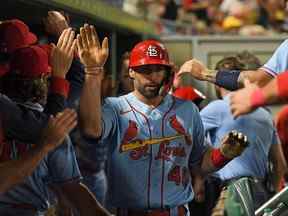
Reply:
x=75, y=76
x=278, y=62
x=62, y=164
x=199, y=143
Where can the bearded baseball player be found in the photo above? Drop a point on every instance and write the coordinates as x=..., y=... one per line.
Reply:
x=155, y=140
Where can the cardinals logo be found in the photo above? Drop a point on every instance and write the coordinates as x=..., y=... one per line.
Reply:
x=130, y=133
x=175, y=124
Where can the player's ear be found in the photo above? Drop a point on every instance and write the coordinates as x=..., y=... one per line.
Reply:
x=131, y=73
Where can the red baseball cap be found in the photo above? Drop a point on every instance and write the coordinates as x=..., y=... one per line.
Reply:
x=149, y=52
x=30, y=62
x=188, y=93
x=15, y=34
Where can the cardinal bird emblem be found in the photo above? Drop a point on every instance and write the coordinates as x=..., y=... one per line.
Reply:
x=175, y=124
x=130, y=133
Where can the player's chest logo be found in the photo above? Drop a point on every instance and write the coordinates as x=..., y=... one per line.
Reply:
x=178, y=127
x=139, y=148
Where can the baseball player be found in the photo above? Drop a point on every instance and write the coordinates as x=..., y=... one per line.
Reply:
x=58, y=169
x=12, y=172
x=218, y=120
x=251, y=97
x=154, y=139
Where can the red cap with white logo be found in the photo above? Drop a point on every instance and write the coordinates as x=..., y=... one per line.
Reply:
x=149, y=52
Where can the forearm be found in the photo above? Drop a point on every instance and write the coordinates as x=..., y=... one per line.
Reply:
x=90, y=106
x=277, y=176
x=215, y=159
x=233, y=80
x=259, y=77
x=207, y=165
x=279, y=164
x=84, y=202
x=274, y=92
x=14, y=171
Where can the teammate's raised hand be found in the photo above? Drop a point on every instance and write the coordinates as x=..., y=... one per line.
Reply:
x=92, y=54
x=55, y=23
x=58, y=128
x=233, y=144
x=62, y=54
x=193, y=67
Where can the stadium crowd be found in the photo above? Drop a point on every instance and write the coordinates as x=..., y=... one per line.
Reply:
x=244, y=17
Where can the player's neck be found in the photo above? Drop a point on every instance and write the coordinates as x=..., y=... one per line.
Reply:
x=154, y=102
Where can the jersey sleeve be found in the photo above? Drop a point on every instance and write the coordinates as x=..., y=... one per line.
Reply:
x=278, y=62
x=199, y=144
x=62, y=164
x=210, y=116
x=109, y=120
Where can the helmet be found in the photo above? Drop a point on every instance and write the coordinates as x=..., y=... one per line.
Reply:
x=189, y=93
x=149, y=52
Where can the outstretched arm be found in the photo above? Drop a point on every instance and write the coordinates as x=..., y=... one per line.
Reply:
x=93, y=56
x=249, y=98
x=222, y=78
x=84, y=201
x=14, y=171
x=232, y=146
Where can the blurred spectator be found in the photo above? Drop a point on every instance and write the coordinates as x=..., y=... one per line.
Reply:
x=250, y=61
x=197, y=7
x=170, y=12
x=125, y=82
x=137, y=8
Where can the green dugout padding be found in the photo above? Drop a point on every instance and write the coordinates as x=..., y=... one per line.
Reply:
x=239, y=201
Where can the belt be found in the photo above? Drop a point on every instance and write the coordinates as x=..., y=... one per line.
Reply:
x=150, y=212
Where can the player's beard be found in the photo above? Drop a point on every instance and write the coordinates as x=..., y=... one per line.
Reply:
x=150, y=93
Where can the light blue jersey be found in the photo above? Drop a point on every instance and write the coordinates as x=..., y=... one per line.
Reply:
x=278, y=63
x=151, y=151
x=258, y=126
x=32, y=196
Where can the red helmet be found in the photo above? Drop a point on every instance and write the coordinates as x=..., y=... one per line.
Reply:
x=149, y=52
x=189, y=93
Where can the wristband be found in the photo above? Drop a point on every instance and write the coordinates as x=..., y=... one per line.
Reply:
x=92, y=74
x=228, y=79
x=59, y=86
x=257, y=98
x=282, y=85
x=93, y=68
x=218, y=159
x=94, y=71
